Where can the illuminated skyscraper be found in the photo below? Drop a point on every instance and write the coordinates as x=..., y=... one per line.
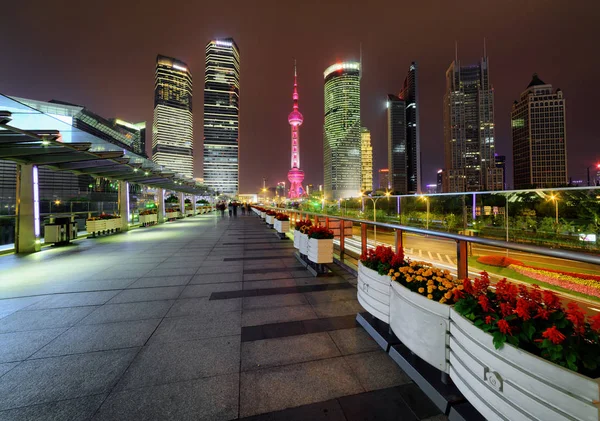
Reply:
x=469, y=129
x=384, y=178
x=366, y=152
x=172, y=130
x=295, y=174
x=539, y=137
x=409, y=94
x=397, y=159
x=221, y=116
x=342, y=138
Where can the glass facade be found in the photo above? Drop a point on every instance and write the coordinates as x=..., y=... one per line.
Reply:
x=469, y=129
x=342, y=131
x=539, y=137
x=409, y=94
x=397, y=156
x=366, y=150
x=221, y=116
x=172, y=130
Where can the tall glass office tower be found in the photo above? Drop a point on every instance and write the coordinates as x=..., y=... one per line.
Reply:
x=221, y=116
x=342, y=131
x=172, y=130
x=469, y=129
x=409, y=94
x=366, y=151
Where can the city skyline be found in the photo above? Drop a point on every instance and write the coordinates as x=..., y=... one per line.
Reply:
x=123, y=90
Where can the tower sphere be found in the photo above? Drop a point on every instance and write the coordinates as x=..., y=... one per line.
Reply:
x=295, y=118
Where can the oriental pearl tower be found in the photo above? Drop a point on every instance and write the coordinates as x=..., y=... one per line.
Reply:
x=295, y=175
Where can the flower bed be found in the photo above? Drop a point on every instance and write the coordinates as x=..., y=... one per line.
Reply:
x=516, y=353
x=578, y=284
x=320, y=245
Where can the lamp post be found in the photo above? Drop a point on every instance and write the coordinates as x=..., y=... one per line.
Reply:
x=374, y=200
x=554, y=198
x=426, y=199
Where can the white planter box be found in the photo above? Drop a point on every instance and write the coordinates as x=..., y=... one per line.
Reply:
x=513, y=384
x=263, y=215
x=373, y=292
x=171, y=215
x=303, y=241
x=281, y=226
x=148, y=219
x=113, y=224
x=95, y=226
x=320, y=251
x=421, y=324
x=270, y=219
x=297, y=239
x=189, y=212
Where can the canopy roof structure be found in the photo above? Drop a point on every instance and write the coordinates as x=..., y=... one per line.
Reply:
x=28, y=136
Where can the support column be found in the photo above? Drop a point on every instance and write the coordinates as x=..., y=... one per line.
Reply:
x=124, y=205
x=194, y=204
x=182, y=203
x=160, y=204
x=27, y=226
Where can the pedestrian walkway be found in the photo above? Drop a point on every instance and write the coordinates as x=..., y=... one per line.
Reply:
x=205, y=318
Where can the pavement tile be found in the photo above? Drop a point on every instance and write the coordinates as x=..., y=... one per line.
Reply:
x=176, y=329
x=277, y=388
x=328, y=296
x=210, y=399
x=197, y=306
x=52, y=379
x=382, y=405
x=337, y=308
x=266, y=275
x=161, y=281
x=281, y=300
x=100, y=337
x=376, y=370
x=96, y=285
x=353, y=341
x=321, y=411
x=219, y=268
x=204, y=290
x=261, y=316
x=43, y=319
x=161, y=363
x=172, y=272
x=17, y=346
x=271, y=283
x=147, y=294
x=109, y=313
x=76, y=299
x=418, y=402
x=287, y=350
x=78, y=409
x=215, y=278
x=6, y=367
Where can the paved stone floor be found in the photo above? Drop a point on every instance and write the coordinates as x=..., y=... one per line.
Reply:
x=200, y=319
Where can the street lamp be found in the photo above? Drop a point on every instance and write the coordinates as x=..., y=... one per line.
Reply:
x=374, y=200
x=554, y=198
x=426, y=199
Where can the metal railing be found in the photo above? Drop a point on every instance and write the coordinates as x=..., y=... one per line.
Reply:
x=462, y=241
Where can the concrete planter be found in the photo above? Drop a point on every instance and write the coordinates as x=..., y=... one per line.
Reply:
x=373, y=292
x=320, y=251
x=510, y=383
x=422, y=325
x=95, y=226
x=263, y=215
x=113, y=224
x=149, y=219
x=269, y=219
x=172, y=215
x=297, y=235
x=189, y=212
x=281, y=226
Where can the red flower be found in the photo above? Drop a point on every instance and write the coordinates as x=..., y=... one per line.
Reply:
x=551, y=300
x=489, y=320
x=458, y=294
x=506, y=291
x=577, y=317
x=481, y=284
x=484, y=302
x=468, y=286
x=506, y=309
x=542, y=313
x=536, y=294
x=523, y=308
x=504, y=327
x=554, y=335
x=595, y=322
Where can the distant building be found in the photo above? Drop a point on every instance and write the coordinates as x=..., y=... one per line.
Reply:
x=539, y=137
x=136, y=133
x=221, y=116
x=469, y=133
x=440, y=181
x=366, y=153
x=396, y=128
x=172, y=130
x=384, y=179
x=431, y=188
x=342, y=137
x=409, y=94
x=501, y=163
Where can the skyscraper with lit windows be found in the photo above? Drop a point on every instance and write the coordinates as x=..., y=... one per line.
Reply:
x=172, y=129
x=409, y=94
x=342, y=131
x=221, y=116
x=366, y=151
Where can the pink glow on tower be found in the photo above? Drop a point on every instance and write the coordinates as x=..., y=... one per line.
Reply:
x=295, y=175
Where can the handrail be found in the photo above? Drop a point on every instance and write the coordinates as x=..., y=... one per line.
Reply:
x=569, y=255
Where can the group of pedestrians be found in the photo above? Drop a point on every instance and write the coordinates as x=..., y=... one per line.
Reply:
x=232, y=207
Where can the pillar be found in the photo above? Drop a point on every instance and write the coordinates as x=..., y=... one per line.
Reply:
x=124, y=210
x=182, y=204
x=160, y=204
x=194, y=204
x=27, y=226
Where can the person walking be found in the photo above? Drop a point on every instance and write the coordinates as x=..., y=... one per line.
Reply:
x=230, y=209
x=235, y=206
x=222, y=209
x=243, y=207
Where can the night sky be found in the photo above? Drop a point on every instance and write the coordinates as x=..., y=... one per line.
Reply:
x=102, y=55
